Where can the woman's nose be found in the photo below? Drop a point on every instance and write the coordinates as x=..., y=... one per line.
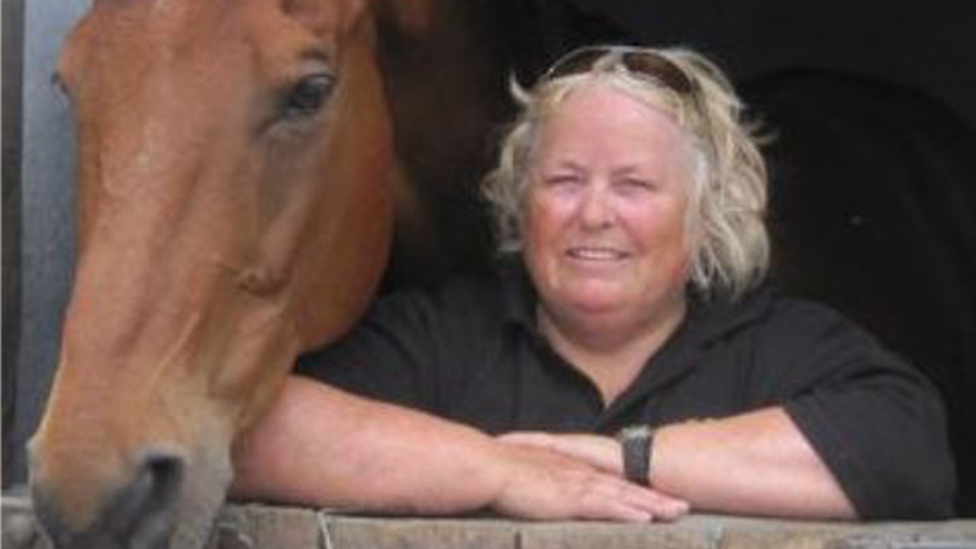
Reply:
x=596, y=210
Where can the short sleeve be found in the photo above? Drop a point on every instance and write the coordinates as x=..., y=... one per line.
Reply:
x=877, y=423
x=412, y=348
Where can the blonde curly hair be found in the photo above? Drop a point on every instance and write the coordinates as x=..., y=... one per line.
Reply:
x=726, y=213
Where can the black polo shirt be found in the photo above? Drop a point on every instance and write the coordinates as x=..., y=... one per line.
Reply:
x=470, y=352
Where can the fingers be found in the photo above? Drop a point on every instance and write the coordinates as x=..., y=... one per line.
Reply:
x=547, y=485
x=661, y=506
x=610, y=498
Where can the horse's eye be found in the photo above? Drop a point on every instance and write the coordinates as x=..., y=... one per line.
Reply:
x=308, y=96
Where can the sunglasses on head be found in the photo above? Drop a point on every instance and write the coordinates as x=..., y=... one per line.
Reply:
x=639, y=61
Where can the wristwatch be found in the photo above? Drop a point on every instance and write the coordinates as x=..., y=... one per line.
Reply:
x=636, y=443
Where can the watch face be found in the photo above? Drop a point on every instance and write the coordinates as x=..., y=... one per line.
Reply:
x=635, y=431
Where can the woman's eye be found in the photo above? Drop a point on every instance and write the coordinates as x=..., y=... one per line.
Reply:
x=562, y=181
x=308, y=96
x=635, y=185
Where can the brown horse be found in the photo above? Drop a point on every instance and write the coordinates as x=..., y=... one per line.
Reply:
x=237, y=178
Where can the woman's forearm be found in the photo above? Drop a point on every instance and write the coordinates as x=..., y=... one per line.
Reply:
x=323, y=447
x=755, y=463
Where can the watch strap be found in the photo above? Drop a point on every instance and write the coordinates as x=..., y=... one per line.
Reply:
x=637, y=444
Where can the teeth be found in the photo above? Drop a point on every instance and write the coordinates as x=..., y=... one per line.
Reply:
x=595, y=253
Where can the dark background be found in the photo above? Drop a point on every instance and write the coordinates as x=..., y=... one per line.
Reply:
x=10, y=63
x=928, y=45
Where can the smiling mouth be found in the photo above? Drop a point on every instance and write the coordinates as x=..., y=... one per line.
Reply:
x=596, y=254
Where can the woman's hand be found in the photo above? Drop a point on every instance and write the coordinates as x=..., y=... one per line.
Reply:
x=583, y=482
x=756, y=463
x=601, y=452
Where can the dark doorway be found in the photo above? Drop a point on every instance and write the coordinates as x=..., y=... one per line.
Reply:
x=11, y=42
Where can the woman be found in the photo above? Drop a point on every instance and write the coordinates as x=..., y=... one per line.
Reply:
x=630, y=196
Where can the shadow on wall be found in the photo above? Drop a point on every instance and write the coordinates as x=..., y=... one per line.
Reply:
x=873, y=210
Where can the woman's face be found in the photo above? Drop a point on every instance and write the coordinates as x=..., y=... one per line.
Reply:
x=604, y=219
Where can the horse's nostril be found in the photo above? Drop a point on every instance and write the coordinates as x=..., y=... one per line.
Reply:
x=141, y=514
x=165, y=474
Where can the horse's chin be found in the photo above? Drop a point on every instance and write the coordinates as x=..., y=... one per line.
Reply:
x=200, y=503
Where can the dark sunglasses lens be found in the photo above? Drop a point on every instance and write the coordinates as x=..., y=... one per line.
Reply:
x=660, y=68
x=638, y=62
x=580, y=61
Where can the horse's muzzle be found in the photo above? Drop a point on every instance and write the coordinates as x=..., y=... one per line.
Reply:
x=138, y=515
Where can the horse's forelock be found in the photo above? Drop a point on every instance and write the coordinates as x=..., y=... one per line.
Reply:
x=327, y=18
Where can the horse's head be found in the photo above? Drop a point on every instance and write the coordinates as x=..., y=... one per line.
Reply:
x=234, y=208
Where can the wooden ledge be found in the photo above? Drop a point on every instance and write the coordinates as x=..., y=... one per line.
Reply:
x=254, y=526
